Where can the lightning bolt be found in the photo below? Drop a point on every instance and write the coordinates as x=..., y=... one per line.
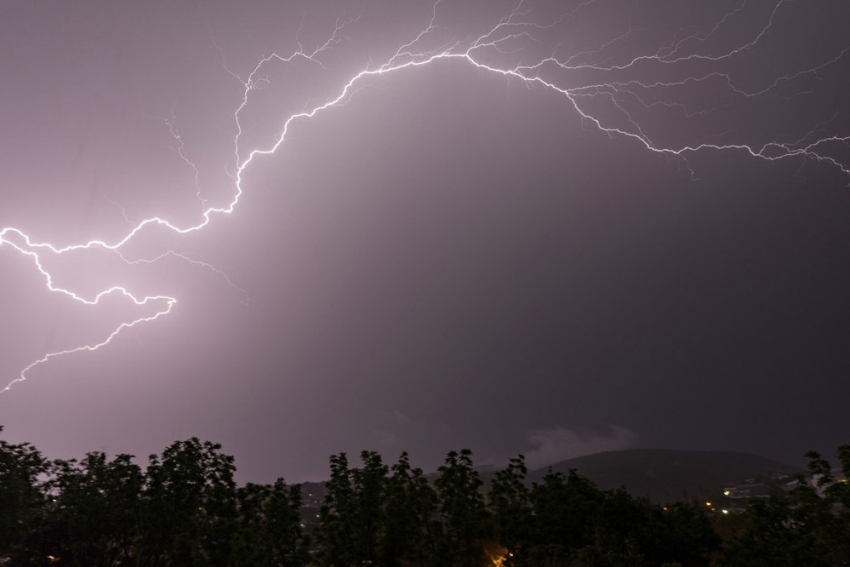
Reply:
x=511, y=38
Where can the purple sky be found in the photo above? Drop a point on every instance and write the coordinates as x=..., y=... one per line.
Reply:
x=552, y=229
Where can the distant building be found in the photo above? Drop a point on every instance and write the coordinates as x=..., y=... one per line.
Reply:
x=748, y=491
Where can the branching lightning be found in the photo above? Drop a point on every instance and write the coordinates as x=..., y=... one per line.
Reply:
x=506, y=39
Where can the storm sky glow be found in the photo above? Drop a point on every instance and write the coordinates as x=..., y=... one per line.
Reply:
x=359, y=204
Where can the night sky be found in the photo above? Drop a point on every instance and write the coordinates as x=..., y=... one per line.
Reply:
x=553, y=228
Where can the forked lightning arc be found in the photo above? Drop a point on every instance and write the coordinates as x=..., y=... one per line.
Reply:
x=504, y=39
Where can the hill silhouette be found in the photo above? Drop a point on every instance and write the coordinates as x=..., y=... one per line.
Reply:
x=661, y=475
x=665, y=475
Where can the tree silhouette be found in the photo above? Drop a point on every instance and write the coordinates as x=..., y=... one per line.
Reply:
x=185, y=509
x=462, y=511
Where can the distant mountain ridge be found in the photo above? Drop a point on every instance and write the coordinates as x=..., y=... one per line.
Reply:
x=661, y=475
x=665, y=475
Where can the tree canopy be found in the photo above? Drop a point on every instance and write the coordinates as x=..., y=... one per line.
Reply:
x=185, y=509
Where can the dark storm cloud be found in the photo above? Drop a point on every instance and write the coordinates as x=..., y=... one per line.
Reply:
x=450, y=259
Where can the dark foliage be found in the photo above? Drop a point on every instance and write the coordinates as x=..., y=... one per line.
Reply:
x=185, y=509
